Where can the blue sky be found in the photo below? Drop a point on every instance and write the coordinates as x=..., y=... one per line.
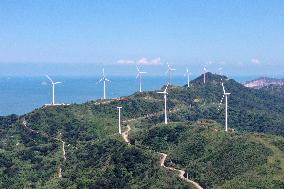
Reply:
x=240, y=36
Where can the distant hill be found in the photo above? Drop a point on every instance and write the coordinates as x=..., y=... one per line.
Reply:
x=250, y=155
x=264, y=82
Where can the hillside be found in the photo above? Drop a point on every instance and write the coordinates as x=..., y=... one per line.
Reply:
x=78, y=146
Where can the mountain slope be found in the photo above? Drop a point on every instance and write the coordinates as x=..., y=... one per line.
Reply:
x=217, y=159
x=32, y=145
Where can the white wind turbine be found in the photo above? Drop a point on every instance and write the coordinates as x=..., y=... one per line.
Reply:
x=139, y=75
x=165, y=98
x=187, y=73
x=204, y=74
x=225, y=95
x=220, y=71
x=119, y=119
x=169, y=72
x=104, y=79
x=53, y=87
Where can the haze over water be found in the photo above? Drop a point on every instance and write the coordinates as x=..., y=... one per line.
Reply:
x=20, y=95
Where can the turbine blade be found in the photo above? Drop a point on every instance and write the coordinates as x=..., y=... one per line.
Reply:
x=49, y=78
x=103, y=72
x=100, y=80
x=223, y=88
x=138, y=75
x=57, y=82
x=137, y=68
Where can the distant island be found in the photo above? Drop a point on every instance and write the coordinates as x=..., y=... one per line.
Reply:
x=264, y=82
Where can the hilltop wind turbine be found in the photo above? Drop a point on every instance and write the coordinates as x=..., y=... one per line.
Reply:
x=204, y=74
x=169, y=72
x=119, y=121
x=187, y=74
x=53, y=87
x=104, y=79
x=139, y=75
x=220, y=71
x=165, y=98
x=225, y=95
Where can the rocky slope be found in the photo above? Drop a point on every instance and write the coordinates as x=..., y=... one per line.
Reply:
x=263, y=82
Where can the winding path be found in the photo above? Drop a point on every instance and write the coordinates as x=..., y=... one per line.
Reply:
x=181, y=173
x=63, y=155
x=24, y=123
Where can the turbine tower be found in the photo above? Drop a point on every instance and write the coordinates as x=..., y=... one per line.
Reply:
x=53, y=87
x=187, y=74
x=119, y=121
x=139, y=75
x=225, y=95
x=165, y=98
x=104, y=79
x=169, y=72
x=204, y=74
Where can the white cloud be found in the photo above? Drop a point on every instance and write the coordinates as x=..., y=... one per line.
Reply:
x=142, y=61
x=125, y=62
x=255, y=61
x=156, y=61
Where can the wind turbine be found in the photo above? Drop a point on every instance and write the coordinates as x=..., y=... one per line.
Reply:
x=165, y=98
x=225, y=95
x=187, y=74
x=139, y=75
x=169, y=72
x=204, y=74
x=119, y=121
x=53, y=87
x=104, y=79
x=220, y=71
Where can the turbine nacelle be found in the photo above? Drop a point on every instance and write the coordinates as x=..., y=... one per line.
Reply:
x=52, y=82
x=164, y=92
x=187, y=73
x=139, y=73
x=104, y=78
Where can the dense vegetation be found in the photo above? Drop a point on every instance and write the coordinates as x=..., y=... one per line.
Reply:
x=97, y=157
x=217, y=159
x=30, y=157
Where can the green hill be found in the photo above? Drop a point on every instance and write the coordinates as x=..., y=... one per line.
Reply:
x=217, y=159
x=249, y=156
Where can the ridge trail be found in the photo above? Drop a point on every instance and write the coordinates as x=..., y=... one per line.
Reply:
x=24, y=123
x=181, y=173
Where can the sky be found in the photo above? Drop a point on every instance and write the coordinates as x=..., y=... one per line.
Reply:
x=81, y=37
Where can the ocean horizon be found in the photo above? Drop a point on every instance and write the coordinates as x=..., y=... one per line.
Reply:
x=22, y=94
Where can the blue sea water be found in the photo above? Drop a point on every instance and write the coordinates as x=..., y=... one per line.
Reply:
x=19, y=95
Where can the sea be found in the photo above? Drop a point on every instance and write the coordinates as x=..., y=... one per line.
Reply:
x=22, y=94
